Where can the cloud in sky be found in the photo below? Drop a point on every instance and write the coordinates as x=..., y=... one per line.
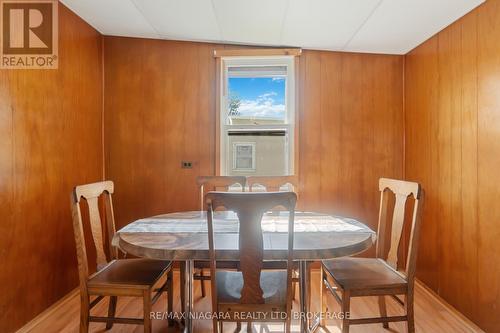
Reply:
x=268, y=95
x=263, y=106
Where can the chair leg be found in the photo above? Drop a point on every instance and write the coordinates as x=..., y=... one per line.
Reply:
x=383, y=309
x=182, y=266
x=324, y=304
x=249, y=327
x=296, y=283
x=111, y=311
x=238, y=326
x=345, y=310
x=84, y=314
x=409, y=313
x=170, y=296
x=215, y=326
x=288, y=325
x=147, y=310
x=203, y=292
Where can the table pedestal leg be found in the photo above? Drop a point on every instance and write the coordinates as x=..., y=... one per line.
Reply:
x=188, y=296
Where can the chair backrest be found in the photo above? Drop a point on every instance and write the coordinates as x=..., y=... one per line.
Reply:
x=218, y=183
x=250, y=208
x=401, y=190
x=91, y=194
x=272, y=183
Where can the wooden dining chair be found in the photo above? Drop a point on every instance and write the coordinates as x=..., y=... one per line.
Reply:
x=214, y=183
x=219, y=183
x=114, y=277
x=272, y=183
x=252, y=289
x=381, y=276
x=275, y=184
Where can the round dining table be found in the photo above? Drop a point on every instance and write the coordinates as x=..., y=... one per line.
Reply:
x=183, y=236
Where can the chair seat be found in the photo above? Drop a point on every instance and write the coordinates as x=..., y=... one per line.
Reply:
x=137, y=272
x=363, y=273
x=273, y=284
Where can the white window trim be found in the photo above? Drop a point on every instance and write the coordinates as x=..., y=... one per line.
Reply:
x=289, y=126
x=235, y=157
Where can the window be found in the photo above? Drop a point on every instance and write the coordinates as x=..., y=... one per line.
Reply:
x=257, y=114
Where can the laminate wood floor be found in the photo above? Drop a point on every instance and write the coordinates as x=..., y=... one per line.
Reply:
x=432, y=315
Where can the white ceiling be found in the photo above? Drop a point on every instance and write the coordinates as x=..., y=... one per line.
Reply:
x=374, y=26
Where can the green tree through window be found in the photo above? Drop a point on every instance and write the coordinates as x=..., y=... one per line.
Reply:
x=234, y=105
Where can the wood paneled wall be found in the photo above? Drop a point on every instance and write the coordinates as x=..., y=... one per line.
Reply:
x=160, y=109
x=452, y=137
x=351, y=130
x=50, y=140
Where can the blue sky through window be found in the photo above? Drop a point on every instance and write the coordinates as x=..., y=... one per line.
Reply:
x=260, y=97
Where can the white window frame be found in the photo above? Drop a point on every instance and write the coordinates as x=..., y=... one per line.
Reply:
x=235, y=157
x=288, y=126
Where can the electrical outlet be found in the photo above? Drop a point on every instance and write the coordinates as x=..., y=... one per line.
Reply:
x=186, y=164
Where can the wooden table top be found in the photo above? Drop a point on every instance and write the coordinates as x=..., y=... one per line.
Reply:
x=183, y=236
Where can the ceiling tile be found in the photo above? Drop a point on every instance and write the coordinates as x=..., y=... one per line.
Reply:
x=397, y=26
x=181, y=19
x=254, y=22
x=112, y=17
x=375, y=26
x=325, y=24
